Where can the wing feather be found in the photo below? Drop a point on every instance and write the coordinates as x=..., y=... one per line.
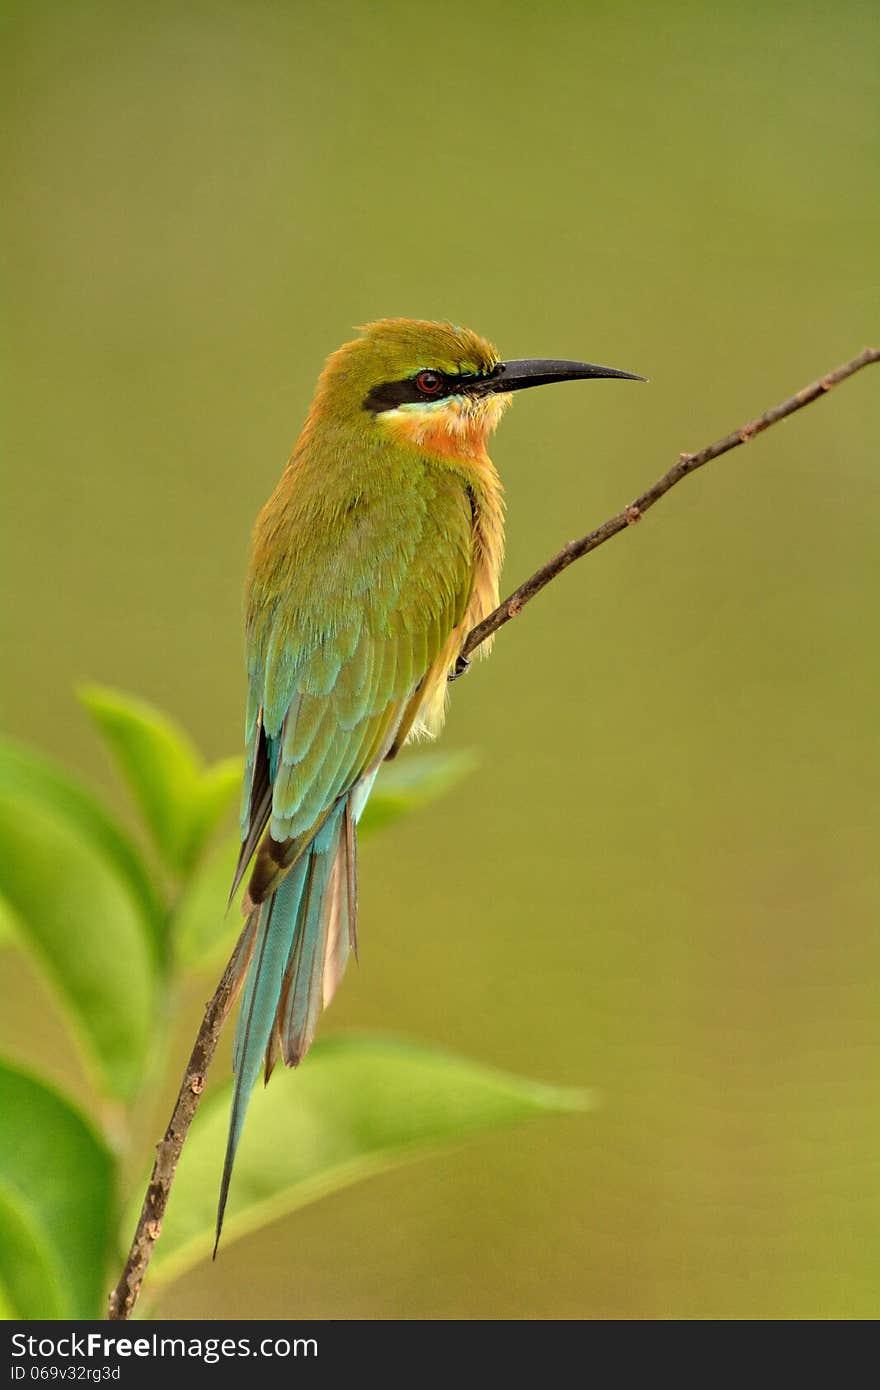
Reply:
x=335, y=669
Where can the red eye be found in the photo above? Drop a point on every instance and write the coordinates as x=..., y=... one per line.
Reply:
x=429, y=383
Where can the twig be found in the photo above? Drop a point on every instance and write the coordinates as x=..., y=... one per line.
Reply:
x=687, y=464
x=124, y=1296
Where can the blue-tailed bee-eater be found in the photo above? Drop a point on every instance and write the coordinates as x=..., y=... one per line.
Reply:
x=377, y=553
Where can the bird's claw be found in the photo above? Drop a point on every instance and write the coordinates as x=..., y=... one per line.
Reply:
x=462, y=664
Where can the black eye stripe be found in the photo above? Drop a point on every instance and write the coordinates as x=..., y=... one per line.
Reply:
x=390, y=394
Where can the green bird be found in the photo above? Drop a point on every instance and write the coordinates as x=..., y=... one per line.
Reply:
x=378, y=551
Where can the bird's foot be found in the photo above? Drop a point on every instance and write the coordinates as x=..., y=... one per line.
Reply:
x=462, y=664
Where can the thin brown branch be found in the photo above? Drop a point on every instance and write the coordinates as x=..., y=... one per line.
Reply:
x=687, y=464
x=149, y=1227
x=124, y=1296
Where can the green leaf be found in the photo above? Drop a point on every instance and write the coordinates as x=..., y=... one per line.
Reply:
x=56, y=1202
x=358, y=1106
x=29, y=1277
x=77, y=915
x=181, y=803
x=8, y=1311
x=203, y=929
x=410, y=782
x=24, y=773
x=220, y=788
x=157, y=761
x=9, y=930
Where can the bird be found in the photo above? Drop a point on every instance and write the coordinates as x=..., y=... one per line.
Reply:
x=378, y=551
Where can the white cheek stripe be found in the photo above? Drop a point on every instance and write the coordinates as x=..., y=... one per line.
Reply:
x=417, y=407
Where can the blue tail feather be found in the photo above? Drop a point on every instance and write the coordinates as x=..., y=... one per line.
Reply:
x=284, y=978
x=275, y=931
x=304, y=994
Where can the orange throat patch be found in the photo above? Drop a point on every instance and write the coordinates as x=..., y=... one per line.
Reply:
x=453, y=428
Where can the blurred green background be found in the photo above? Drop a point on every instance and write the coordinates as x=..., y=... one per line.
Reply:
x=662, y=881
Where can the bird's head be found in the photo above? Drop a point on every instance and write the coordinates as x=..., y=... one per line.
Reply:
x=435, y=385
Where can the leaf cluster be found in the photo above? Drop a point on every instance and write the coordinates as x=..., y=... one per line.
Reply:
x=115, y=919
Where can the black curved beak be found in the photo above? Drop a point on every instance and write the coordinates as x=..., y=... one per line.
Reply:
x=541, y=371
